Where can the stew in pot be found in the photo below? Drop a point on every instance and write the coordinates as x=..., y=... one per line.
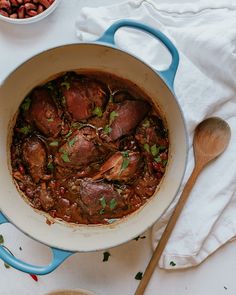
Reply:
x=88, y=147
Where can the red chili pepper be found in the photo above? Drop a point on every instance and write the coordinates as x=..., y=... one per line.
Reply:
x=34, y=277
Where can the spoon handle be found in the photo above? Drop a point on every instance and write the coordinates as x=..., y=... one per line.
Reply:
x=168, y=230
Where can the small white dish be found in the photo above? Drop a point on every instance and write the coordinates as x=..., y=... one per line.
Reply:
x=32, y=19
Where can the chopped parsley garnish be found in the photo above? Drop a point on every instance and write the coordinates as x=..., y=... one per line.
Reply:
x=26, y=104
x=49, y=85
x=106, y=256
x=1, y=239
x=157, y=159
x=63, y=100
x=65, y=156
x=172, y=263
x=113, y=204
x=68, y=134
x=72, y=142
x=25, y=130
x=103, y=202
x=113, y=114
x=97, y=112
x=139, y=237
x=139, y=276
x=162, y=147
x=146, y=147
x=164, y=162
x=154, y=150
x=54, y=143
x=146, y=123
x=125, y=162
x=107, y=129
x=50, y=120
x=50, y=166
x=66, y=84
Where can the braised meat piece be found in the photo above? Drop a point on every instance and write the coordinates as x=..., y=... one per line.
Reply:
x=99, y=198
x=80, y=149
x=126, y=117
x=35, y=156
x=121, y=166
x=43, y=112
x=84, y=97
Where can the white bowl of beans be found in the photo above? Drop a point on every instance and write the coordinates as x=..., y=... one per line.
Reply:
x=26, y=11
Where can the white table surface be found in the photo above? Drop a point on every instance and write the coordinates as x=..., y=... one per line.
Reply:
x=216, y=276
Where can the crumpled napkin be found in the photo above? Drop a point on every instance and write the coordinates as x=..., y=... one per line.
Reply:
x=204, y=33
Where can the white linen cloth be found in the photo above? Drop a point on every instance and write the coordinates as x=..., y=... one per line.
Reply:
x=205, y=35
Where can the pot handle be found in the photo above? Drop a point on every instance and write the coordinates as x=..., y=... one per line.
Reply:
x=169, y=74
x=58, y=257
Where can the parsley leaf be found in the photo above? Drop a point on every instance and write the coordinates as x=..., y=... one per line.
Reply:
x=113, y=114
x=157, y=159
x=172, y=263
x=72, y=142
x=154, y=150
x=103, y=202
x=125, y=162
x=97, y=112
x=50, y=166
x=164, y=162
x=25, y=130
x=113, y=204
x=63, y=100
x=106, y=256
x=26, y=104
x=146, y=123
x=50, y=120
x=54, y=143
x=146, y=147
x=139, y=276
x=68, y=134
x=65, y=157
x=107, y=129
x=1, y=239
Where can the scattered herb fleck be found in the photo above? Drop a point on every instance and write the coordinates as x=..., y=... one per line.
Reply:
x=20, y=248
x=50, y=120
x=68, y=134
x=146, y=123
x=139, y=276
x=113, y=114
x=164, y=162
x=49, y=85
x=172, y=263
x=66, y=84
x=1, y=239
x=6, y=265
x=103, y=202
x=154, y=150
x=113, y=204
x=157, y=159
x=139, y=237
x=97, y=112
x=54, y=143
x=63, y=100
x=107, y=129
x=72, y=142
x=106, y=256
x=146, y=147
x=112, y=220
x=25, y=130
x=26, y=104
x=225, y=288
x=50, y=166
x=65, y=157
x=125, y=162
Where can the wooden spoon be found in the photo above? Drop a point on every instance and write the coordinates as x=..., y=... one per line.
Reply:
x=210, y=140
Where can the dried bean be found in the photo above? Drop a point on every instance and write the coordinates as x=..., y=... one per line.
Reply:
x=21, y=11
x=14, y=3
x=30, y=6
x=45, y=3
x=32, y=12
x=13, y=15
x=5, y=4
x=4, y=13
x=40, y=9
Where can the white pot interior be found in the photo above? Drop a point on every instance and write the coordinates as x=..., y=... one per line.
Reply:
x=99, y=57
